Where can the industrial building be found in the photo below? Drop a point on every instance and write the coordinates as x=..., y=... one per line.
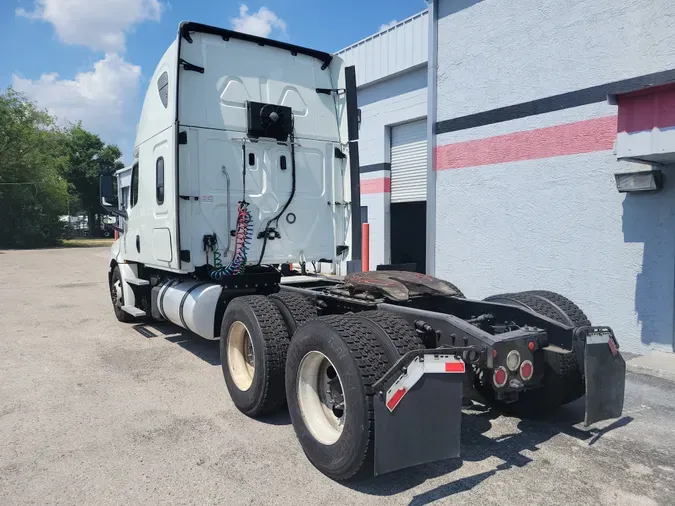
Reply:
x=493, y=137
x=493, y=140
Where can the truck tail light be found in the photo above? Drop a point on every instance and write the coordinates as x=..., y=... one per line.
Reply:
x=499, y=377
x=526, y=370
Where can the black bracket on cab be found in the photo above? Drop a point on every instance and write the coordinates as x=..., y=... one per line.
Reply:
x=328, y=91
x=190, y=66
x=271, y=234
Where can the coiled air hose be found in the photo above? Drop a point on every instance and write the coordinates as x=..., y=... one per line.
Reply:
x=243, y=235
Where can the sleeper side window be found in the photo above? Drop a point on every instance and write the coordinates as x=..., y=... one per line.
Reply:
x=163, y=87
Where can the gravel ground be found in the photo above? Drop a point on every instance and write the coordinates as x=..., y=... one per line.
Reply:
x=93, y=411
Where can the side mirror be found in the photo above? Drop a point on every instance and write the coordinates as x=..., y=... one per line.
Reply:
x=106, y=188
x=107, y=192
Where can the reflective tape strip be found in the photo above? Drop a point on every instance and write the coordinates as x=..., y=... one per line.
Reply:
x=404, y=383
x=597, y=338
x=430, y=365
x=396, y=398
x=455, y=366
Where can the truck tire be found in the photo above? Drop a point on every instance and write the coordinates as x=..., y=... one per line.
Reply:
x=117, y=297
x=332, y=363
x=253, y=344
x=396, y=336
x=563, y=373
x=295, y=309
x=572, y=312
x=532, y=302
x=549, y=304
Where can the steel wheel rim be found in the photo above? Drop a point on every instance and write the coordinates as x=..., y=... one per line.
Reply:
x=240, y=356
x=116, y=293
x=321, y=398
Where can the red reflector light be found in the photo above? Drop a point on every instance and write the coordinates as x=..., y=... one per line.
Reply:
x=526, y=370
x=499, y=377
x=494, y=353
x=531, y=345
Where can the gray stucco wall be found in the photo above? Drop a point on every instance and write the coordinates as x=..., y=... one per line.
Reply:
x=398, y=99
x=494, y=53
x=555, y=222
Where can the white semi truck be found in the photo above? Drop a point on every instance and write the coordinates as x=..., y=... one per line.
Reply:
x=246, y=157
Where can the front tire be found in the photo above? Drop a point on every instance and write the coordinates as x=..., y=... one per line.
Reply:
x=253, y=345
x=333, y=416
x=117, y=297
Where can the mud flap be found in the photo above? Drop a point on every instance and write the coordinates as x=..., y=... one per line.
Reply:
x=605, y=371
x=418, y=412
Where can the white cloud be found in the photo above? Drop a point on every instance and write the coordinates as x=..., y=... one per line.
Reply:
x=260, y=23
x=101, y=98
x=386, y=26
x=101, y=25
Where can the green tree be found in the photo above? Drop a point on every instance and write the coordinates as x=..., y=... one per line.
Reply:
x=33, y=160
x=88, y=158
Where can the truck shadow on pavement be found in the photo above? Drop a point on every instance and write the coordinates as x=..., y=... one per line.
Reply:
x=477, y=446
x=208, y=351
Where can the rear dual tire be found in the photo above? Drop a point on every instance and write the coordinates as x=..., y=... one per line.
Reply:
x=324, y=373
x=295, y=309
x=360, y=348
x=563, y=372
x=253, y=344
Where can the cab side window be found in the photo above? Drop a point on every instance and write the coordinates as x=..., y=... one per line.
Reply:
x=134, y=185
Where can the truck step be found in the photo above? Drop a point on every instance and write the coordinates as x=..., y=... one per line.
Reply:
x=137, y=281
x=133, y=311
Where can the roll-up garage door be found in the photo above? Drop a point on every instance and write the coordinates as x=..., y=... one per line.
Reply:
x=409, y=162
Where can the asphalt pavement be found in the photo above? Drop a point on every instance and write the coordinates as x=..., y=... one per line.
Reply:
x=93, y=411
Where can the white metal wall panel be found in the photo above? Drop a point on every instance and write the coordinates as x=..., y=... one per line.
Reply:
x=390, y=51
x=409, y=162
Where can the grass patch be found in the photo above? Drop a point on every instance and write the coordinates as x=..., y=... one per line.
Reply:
x=86, y=243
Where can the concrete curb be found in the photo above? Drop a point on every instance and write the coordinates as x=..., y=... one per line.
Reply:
x=657, y=364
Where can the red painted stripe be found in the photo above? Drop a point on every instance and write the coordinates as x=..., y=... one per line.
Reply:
x=560, y=140
x=396, y=398
x=647, y=109
x=376, y=185
x=454, y=367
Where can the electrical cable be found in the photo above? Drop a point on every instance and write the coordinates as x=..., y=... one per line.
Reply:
x=275, y=219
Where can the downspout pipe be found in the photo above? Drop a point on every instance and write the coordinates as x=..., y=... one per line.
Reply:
x=432, y=65
x=354, y=167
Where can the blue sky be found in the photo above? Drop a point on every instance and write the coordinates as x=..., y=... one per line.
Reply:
x=89, y=60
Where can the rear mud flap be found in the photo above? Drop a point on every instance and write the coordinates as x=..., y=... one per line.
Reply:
x=605, y=371
x=418, y=413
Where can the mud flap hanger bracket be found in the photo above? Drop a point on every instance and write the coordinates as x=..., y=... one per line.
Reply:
x=417, y=406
